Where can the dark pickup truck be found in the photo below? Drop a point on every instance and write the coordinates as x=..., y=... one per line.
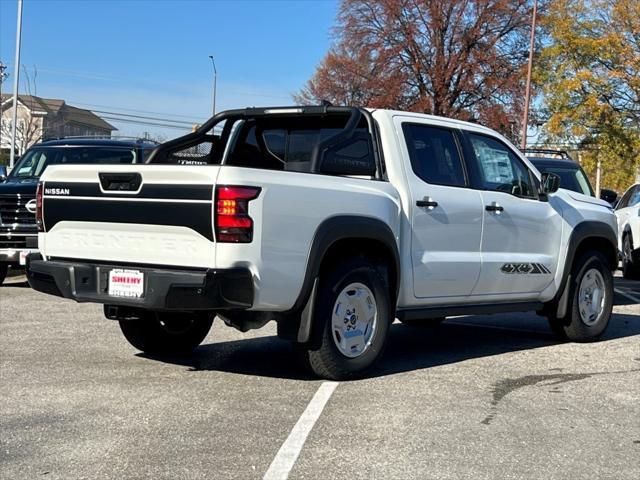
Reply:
x=18, y=231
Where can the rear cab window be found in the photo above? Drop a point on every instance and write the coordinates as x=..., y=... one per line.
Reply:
x=281, y=143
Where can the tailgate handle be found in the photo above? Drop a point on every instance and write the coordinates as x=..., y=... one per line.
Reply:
x=121, y=182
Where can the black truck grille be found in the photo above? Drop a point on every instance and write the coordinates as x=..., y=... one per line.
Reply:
x=13, y=211
x=18, y=241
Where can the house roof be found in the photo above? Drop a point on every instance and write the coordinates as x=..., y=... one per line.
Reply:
x=85, y=117
x=56, y=106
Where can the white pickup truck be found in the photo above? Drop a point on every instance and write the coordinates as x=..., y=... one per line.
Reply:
x=332, y=221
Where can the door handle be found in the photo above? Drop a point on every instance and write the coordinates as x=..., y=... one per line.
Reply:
x=494, y=207
x=428, y=202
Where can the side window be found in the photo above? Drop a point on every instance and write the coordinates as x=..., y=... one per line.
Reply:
x=624, y=201
x=635, y=197
x=434, y=155
x=500, y=169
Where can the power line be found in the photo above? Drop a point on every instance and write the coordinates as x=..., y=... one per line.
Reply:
x=135, y=110
x=149, y=124
x=128, y=115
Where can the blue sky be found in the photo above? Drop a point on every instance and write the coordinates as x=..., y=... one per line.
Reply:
x=134, y=56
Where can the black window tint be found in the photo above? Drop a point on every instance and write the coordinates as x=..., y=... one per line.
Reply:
x=500, y=169
x=434, y=155
x=301, y=143
x=624, y=201
x=352, y=157
x=146, y=153
x=570, y=178
x=276, y=142
x=635, y=197
x=96, y=155
x=36, y=160
x=288, y=145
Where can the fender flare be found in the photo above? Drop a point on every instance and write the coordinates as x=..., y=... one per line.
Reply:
x=581, y=232
x=329, y=232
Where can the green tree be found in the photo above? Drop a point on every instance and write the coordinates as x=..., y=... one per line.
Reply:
x=590, y=78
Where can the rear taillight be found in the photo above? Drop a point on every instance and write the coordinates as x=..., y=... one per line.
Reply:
x=39, y=191
x=232, y=221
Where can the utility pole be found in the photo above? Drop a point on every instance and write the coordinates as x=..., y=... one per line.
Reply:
x=215, y=81
x=16, y=78
x=527, y=94
x=598, y=173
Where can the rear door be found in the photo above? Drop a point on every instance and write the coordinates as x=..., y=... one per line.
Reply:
x=521, y=233
x=446, y=215
x=140, y=214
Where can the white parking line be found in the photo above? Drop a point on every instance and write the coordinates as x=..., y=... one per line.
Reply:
x=627, y=295
x=292, y=446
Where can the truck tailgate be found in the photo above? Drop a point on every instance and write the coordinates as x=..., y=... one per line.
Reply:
x=140, y=214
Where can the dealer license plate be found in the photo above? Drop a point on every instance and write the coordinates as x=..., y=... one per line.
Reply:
x=23, y=257
x=126, y=283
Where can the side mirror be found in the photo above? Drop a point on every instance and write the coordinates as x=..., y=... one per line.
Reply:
x=3, y=173
x=550, y=183
x=608, y=195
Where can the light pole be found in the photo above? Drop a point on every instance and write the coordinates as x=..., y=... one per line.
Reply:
x=16, y=75
x=215, y=80
x=527, y=94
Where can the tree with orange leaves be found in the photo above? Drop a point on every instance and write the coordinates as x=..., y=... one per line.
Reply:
x=590, y=76
x=456, y=58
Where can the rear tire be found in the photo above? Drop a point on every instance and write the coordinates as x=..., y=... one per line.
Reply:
x=590, y=300
x=630, y=269
x=166, y=334
x=4, y=269
x=423, y=322
x=353, y=311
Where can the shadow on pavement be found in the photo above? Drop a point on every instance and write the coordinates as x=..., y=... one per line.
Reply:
x=408, y=349
x=631, y=289
x=15, y=283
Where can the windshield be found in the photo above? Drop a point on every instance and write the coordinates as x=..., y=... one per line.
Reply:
x=573, y=179
x=36, y=160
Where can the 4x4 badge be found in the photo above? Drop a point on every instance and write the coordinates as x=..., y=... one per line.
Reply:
x=524, y=268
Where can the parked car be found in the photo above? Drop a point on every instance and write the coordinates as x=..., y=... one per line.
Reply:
x=572, y=176
x=610, y=196
x=18, y=231
x=332, y=221
x=628, y=216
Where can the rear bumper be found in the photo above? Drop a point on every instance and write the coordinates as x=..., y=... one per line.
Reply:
x=165, y=289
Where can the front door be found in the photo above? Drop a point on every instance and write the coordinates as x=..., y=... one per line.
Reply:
x=521, y=234
x=446, y=215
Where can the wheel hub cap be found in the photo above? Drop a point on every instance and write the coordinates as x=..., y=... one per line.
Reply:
x=591, y=297
x=354, y=320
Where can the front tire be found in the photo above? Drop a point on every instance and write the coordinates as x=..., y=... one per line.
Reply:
x=353, y=308
x=590, y=300
x=630, y=269
x=166, y=334
x=4, y=269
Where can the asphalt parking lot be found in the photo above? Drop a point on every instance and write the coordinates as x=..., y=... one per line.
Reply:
x=477, y=397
